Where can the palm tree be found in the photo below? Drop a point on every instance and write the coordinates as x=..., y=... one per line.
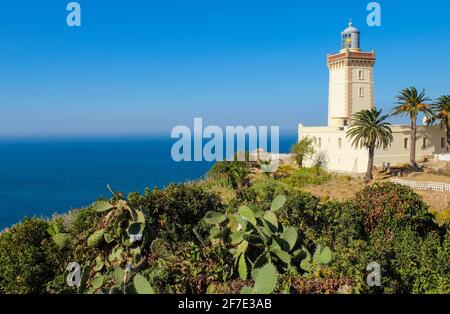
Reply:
x=441, y=112
x=410, y=103
x=370, y=130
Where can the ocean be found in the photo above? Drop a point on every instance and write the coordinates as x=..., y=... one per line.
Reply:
x=40, y=177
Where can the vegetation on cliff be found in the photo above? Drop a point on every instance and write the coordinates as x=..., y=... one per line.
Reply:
x=234, y=232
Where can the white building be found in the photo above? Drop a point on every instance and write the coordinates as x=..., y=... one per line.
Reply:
x=351, y=89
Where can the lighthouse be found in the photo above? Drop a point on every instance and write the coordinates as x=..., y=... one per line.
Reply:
x=351, y=79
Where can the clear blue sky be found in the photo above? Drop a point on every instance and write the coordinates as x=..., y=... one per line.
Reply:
x=147, y=66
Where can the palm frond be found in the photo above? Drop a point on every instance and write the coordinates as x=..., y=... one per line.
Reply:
x=370, y=129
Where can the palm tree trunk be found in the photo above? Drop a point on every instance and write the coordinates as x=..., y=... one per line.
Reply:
x=412, y=152
x=369, y=175
x=448, y=135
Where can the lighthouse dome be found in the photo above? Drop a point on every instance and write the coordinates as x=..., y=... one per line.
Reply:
x=350, y=38
x=350, y=29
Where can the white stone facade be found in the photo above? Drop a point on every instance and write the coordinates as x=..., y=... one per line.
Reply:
x=341, y=156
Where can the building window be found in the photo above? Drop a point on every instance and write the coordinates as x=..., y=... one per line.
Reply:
x=424, y=143
x=320, y=142
x=385, y=147
x=361, y=92
x=340, y=142
x=442, y=142
x=405, y=143
x=361, y=74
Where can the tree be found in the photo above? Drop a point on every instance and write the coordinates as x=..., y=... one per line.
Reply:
x=441, y=112
x=410, y=103
x=302, y=150
x=370, y=130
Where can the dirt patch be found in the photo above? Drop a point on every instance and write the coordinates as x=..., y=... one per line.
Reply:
x=436, y=200
x=427, y=177
x=341, y=188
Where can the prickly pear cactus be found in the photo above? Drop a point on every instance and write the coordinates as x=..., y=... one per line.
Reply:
x=121, y=241
x=321, y=256
x=266, y=279
x=254, y=237
x=62, y=240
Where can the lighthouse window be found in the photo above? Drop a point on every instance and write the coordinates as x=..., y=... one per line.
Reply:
x=425, y=143
x=346, y=41
x=405, y=143
x=361, y=92
x=361, y=74
x=442, y=142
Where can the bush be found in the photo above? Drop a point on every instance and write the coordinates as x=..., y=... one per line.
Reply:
x=175, y=211
x=190, y=268
x=28, y=258
x=302, y=210
x=284, y=170
x=84, y=220
x=324, y=223
x=236, y=172
x=307, y=176
x=390, y=206
x=265, y=190
x=410, y=262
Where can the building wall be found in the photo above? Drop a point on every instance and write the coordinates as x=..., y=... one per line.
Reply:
x=337, y=102
x=398, y=152
x=332, y=143
x=361, y=101
x=343, y=157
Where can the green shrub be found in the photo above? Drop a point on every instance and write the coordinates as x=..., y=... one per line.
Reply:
x=307, y=176
x=84, y=220
x=303, y=211
x=411, y=263
x=324, y=223
x=265, y=190
x=189, y=268
x=29, y=258
x=175, y=211
x=236, y=172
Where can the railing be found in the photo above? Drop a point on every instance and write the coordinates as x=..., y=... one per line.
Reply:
x=435, y=186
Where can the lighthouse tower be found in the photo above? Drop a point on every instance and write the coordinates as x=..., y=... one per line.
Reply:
x=351, y=79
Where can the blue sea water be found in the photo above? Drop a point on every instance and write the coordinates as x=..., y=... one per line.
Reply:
x=40, y=177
